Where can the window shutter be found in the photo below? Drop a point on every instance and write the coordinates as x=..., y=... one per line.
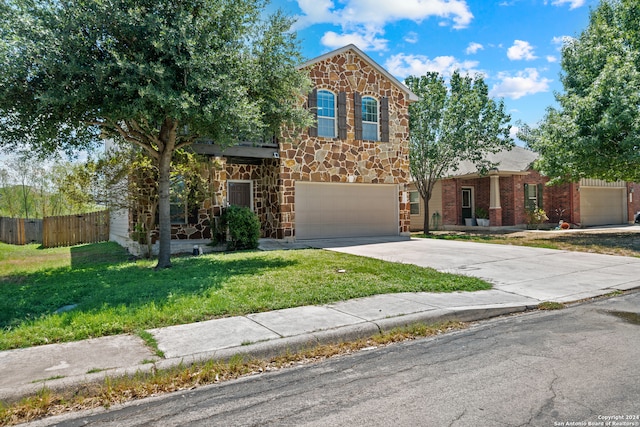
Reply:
x=526, y=197
x=342, y=115
x=312, y=105
x=357, y=115
x=540, y=187
x=384, y=119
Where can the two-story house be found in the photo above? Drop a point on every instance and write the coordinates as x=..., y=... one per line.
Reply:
x=345, y=176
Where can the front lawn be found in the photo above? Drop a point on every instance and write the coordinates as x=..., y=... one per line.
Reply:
x=107, y=294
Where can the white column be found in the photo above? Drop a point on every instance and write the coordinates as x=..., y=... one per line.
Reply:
x=494, y=194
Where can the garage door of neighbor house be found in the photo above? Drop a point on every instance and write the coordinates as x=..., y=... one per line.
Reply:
x=327, y=210
x=601, y=206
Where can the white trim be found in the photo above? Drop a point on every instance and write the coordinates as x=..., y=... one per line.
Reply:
x=377, y=122
x=335, y=112
x=472, y=200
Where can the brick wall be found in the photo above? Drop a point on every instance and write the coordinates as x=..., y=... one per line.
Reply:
x=555, y=198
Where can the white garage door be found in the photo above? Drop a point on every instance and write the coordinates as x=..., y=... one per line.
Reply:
x=601, y=206
x=326, y=210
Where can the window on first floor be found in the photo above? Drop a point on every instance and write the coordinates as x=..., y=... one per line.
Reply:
x=414, y=201
x=239, y=193
x=533, y=196
x=178, y=201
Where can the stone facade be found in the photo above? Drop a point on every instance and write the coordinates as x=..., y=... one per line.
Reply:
x=318, y=159
x=303, y=157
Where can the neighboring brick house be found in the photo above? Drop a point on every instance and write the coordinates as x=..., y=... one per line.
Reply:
x=345, y=176
x=513, y=185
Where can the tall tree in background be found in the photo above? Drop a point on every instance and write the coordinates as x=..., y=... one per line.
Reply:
x=595, y=131
x=451, y=125
x=155, y=73
x=31, y=189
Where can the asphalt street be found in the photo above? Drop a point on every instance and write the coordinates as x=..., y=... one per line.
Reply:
x=573, y=366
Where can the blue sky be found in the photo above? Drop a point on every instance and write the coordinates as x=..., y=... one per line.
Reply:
x=514, y=44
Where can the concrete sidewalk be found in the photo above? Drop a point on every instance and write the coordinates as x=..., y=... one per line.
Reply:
x=523, y=277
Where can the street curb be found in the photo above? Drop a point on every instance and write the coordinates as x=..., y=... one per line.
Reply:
x=272, y=348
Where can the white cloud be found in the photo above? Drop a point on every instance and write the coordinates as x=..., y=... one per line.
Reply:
x=411, y=37
x=573, y=4
x=473, y=48
x=315, y=11
x=521, y=50
x=349, y=13
x=364, y=40
x=513, y=132
x=402, y=65
x=551, y=58
x=526, y=82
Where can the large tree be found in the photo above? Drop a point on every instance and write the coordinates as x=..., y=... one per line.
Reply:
x=159, y=74
x=452, y=124
x=595, y=130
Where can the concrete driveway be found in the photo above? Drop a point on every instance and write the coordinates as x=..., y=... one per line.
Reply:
x=543, y=274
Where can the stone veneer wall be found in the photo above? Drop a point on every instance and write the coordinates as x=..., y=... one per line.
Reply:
x=318, y=159
x=265, y=198
x=266, y=201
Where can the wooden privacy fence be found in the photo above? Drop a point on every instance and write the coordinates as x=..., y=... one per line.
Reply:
x=71, y=230
x=20, y=231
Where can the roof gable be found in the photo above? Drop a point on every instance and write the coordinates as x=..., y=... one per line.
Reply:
x=412, y=97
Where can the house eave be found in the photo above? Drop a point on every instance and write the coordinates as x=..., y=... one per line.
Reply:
x=477, y=175
x=236, y=151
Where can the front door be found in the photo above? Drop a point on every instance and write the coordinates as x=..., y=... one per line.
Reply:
x=467, y=203
x=239, y=193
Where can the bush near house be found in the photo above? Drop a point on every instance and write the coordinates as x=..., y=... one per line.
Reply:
x=243, y=227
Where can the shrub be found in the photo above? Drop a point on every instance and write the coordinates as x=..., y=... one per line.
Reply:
x=243, y=227
x=535, y=217
x=482, y=213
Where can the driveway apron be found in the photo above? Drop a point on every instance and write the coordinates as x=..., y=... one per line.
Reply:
x=542, y=274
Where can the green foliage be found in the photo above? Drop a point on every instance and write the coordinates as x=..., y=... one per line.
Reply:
x=31, y=189
x=482, y=213
x=550, y=305
x=71, y=69
x=115, y=296
x=452, y=125
x=595, y=131
x=243, y=227
x=157, y=74
x=536, y=217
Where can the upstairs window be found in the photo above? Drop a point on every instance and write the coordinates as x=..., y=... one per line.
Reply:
x=369, y=119
x=326, y=114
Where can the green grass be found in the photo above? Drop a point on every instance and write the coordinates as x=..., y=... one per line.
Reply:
x=613, y=243
x=114, y=295
x=492, y=238
x=550, y=305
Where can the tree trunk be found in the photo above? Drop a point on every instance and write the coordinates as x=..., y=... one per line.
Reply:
x=164, y=210
x=426, y=213
x=167, y=138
